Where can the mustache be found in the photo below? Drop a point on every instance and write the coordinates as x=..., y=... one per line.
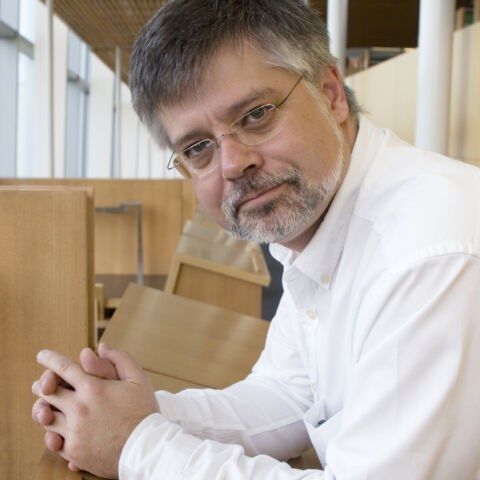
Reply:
x=257, y=183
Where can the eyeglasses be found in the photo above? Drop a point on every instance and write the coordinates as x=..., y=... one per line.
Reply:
x=253, y=128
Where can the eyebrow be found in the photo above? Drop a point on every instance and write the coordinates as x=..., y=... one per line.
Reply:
x=239, y=107
x=233, y=111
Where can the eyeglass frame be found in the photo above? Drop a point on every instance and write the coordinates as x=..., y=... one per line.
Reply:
x=171, y=165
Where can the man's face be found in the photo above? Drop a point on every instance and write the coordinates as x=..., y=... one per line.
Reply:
x=276, y=191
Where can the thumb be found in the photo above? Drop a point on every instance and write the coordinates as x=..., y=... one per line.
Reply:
x=126, y=366
x=94, y=365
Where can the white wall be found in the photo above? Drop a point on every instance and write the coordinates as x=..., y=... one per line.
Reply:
x=388, y=92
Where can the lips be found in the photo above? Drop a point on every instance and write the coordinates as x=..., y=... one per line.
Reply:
x=255, y=195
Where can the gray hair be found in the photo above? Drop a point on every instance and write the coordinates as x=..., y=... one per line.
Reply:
x=178, y=44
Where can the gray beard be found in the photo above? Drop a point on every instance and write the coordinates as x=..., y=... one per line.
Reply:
x=279, y=218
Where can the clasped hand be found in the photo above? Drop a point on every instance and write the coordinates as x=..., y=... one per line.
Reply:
x=90, y=409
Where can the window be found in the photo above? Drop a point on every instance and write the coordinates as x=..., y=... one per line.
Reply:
x=77, y=107
x=17, y=34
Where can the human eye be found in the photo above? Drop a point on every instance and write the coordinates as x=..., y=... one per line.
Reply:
x=197, y=149
x=199, y=155
x=258, y=117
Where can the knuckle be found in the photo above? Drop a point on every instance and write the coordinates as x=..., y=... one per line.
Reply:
x=72, y=448
x=79, y=409
x=69, y=448
x=64, y=365
x=92, y=386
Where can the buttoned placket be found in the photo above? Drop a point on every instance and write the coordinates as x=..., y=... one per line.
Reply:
x=317, y=314
x=312, y=324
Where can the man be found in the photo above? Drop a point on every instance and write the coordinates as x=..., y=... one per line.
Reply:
x=372, y=356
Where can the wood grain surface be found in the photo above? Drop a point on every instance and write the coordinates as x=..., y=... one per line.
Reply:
x=185, y=339
x=46, y=292
x=166, y=205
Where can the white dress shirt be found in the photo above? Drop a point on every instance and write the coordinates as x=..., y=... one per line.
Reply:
x=373, y=356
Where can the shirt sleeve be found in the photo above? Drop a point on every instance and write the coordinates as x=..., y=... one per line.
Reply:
x=221, y=430
x=262, y=413
x=412, y=407
x=159, y=448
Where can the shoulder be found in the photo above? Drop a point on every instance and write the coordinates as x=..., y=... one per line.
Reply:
x=421, y=204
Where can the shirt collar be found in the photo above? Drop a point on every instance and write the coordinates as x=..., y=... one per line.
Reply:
x=320, y=257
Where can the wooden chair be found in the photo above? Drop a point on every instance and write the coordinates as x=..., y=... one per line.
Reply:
x=209, y=266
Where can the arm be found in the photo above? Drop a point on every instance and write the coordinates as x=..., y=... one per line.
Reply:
x=160, y=449
x=233, y=415
x=262, y=413
x=98, y=417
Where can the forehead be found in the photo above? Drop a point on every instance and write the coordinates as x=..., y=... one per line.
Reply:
x=233, y=76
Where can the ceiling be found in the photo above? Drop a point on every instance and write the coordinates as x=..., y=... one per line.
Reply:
x=104, y=24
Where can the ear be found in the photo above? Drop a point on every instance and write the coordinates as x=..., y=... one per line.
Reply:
x=332, y=88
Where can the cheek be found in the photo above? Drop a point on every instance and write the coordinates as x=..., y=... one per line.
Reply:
x=209, y=195
x=318, y=147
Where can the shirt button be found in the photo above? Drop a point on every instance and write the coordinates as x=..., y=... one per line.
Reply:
x=313, y=386
x=311, y=314
x=325, y=278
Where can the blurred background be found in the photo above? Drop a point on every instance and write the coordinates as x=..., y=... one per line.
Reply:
x=92, y=130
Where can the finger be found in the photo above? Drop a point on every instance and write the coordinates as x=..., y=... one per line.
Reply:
x=59, y=399
x=49, y=382
x=63, y=366
x=95, y=365
x=125, y=365
x=42, y=412
x=72, y=467
x=53, y=441
x=59, y=424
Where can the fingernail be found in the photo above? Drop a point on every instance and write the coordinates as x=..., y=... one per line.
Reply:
x=34, y=385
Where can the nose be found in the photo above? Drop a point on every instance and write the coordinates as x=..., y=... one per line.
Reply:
x=236, y=159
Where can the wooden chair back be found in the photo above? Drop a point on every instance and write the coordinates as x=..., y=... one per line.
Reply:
x=46, y=298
